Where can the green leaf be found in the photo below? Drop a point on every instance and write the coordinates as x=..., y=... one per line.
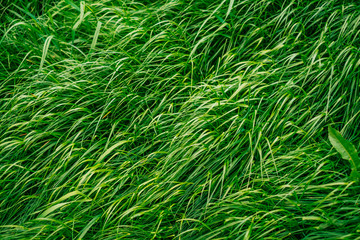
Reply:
x=88, y=226
x=111, y=149
x=72, y=4
x=230, y=7
x=53, y=208
x=96, y=35
x=346, y=149
x=45, y=50
x=355, y=175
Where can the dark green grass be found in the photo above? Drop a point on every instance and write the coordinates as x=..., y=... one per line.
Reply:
x=178, y=119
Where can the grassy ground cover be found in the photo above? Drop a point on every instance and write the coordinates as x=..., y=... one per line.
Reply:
x=176, y=119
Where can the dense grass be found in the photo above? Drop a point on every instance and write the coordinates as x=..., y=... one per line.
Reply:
x=175, y=119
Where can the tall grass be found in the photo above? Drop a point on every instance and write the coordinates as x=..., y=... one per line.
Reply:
x=174, y=119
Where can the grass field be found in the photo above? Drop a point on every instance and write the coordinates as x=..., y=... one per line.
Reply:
x=177, y=119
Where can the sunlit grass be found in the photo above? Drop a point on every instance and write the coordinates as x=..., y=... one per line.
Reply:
x=178, y=119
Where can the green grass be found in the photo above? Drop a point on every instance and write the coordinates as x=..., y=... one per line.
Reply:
x=176, y=119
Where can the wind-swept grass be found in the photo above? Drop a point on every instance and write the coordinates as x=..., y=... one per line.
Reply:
x=175, y=119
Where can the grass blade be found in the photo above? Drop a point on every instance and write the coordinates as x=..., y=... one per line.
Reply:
x=96, y=35
x=231, y=4
x=45, y=50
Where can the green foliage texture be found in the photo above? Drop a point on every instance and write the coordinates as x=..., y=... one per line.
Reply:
x=178, y=119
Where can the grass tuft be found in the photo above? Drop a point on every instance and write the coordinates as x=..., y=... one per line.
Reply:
x=175, y=119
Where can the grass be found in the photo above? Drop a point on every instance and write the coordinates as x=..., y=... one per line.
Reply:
x=174, y=119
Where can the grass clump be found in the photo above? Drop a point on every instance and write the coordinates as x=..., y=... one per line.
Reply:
x=178, y=119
